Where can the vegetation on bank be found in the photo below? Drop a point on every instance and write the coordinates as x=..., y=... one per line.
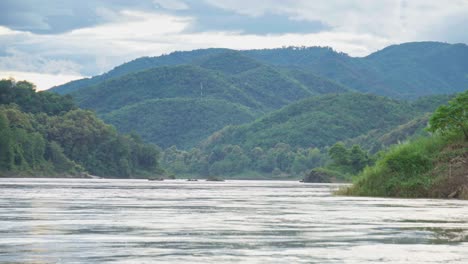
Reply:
x=288, y=143
x=181, y=98
x=45, y=134
x=435, y=166
x=280, y=162
x=427, y=167
x=343, y=163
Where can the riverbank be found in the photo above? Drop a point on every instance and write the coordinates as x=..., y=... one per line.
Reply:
x=434, y=167
x=247, y=175
x=10, y=174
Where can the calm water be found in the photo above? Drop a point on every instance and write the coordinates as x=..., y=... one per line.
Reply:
x=137, y=221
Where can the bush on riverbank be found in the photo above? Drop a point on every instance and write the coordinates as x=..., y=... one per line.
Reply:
x=427, y=167
x=435, y=166
x=324, y=175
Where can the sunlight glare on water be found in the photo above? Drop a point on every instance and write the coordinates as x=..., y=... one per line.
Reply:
x=175, y=221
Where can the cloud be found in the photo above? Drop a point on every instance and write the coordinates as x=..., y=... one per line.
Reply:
x=211, y=18
x=20, y=61
x=394, y=19
x=41, y=80
x=76, y=38
x=171, y=4
x=59, y=16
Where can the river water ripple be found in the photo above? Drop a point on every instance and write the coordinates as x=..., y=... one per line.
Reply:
x=138, y=221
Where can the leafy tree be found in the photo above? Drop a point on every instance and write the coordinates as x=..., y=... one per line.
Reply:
x=339, y=154
x=348, y=161
x=358, y=158
x=6, y=143
x=452, y=117
x=24, y=95
x=43, y=133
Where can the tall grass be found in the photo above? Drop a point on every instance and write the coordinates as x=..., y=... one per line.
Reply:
x=402, y=171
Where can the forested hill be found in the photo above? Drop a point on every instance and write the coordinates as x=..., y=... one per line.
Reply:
x=323, y=120
x=249, y=84
x=408, y=70
x=45, y=134
x=155, y=102
x=228, y=75
x=139, y=64
x=295, y=139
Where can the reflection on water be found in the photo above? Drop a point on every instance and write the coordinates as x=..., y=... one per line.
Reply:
x=137, y=221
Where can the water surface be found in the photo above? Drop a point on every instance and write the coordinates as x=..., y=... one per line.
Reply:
x=138, y=221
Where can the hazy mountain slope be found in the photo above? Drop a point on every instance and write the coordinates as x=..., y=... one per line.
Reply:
x=422, y=68
x=381, y=138
x=228, y=62
x=408, y=70
x=178, y=121
x=266, y=80
x=321, y=61
x=318, y=121
x=270, y=87
x=158, y=83
x=139, y=64
x=257, y=87
x=315, y=84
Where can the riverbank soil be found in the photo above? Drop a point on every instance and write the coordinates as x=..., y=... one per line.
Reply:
x=451, y=172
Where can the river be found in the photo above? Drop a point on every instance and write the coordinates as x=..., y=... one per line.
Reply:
x=138, y=221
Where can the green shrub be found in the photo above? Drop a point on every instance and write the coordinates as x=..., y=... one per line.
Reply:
x=402, y=171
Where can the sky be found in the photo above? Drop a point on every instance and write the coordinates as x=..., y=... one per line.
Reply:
x=55, y=41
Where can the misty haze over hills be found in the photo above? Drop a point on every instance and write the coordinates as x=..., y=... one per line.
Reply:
x=148, y=95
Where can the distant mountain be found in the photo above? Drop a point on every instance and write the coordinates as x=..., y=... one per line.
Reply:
x=422, y=68
x=182, y=122
x=379, y=138
x=321, y=121
x=251, y=83
x=262, y=81
x=157, y=83
x=408, y=70
x=228, y=62
x=325, y=62
x=140, y=64
x=220, y=93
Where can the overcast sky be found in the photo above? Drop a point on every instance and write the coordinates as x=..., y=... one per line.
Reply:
x=55, y=41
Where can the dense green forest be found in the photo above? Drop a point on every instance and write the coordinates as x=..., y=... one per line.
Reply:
x=431, y=166
x=278, y=162
x=261, y=80
x=323, y=120
x=259, y=113
x=408, y=70
x=297, y=138
x=231, y=94
x=182, y=122
x=45, y=134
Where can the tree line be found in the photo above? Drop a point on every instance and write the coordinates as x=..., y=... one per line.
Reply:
x=45, y=134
